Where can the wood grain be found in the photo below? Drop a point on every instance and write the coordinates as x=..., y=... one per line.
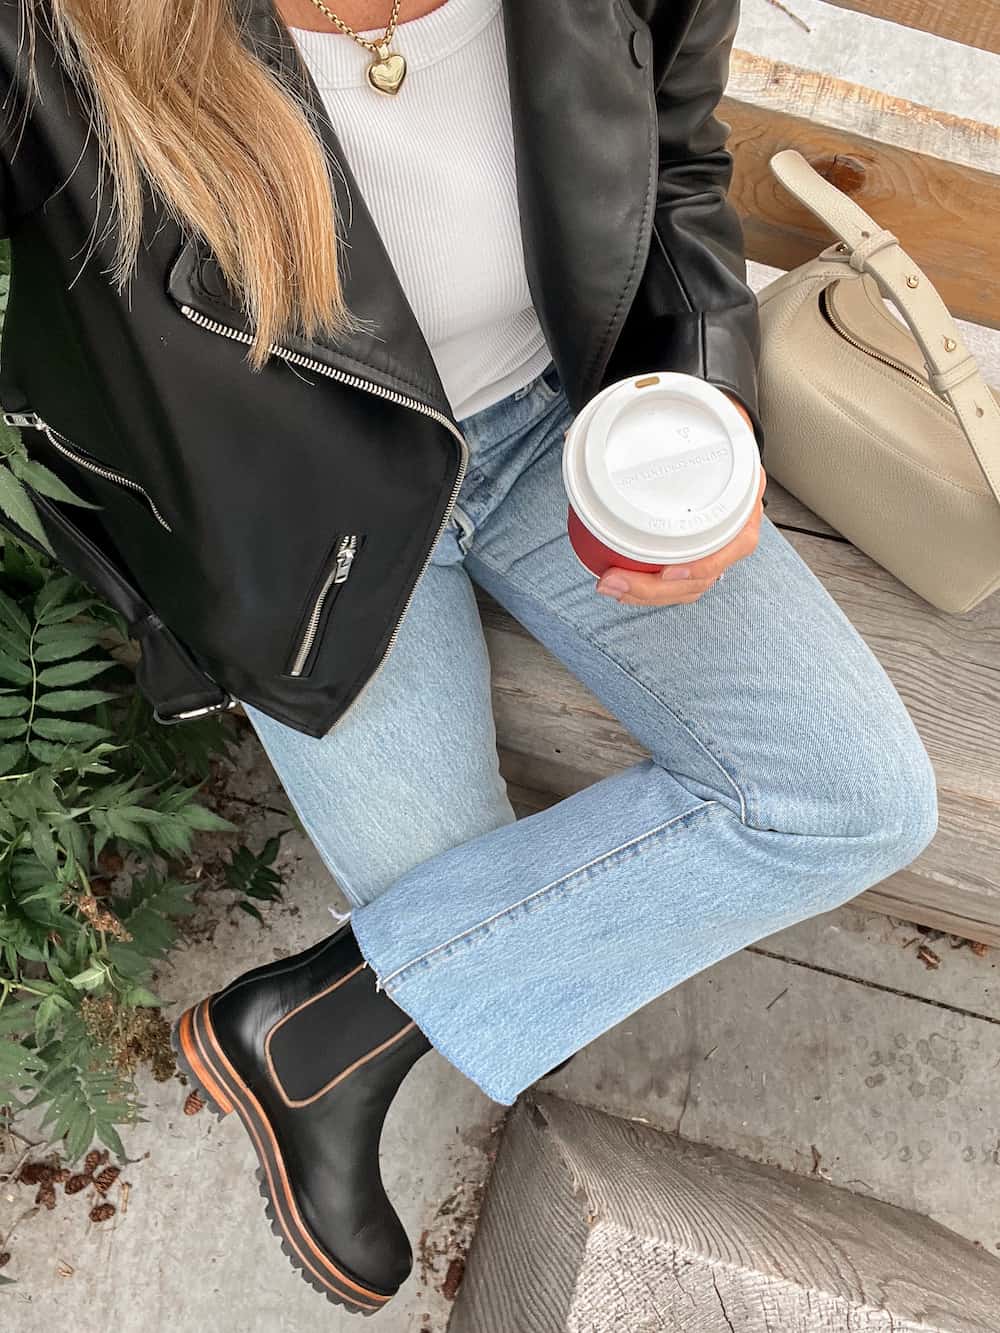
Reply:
x=683, y=1236
x=945, y=213
x=972, y=22
x=777, y=85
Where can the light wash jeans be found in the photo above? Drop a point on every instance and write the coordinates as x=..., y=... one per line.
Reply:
x=786, y=777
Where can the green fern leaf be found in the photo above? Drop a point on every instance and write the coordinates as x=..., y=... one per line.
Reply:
x=15, y=503
x=72, y=673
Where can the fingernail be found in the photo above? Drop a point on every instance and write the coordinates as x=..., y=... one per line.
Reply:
x=676, y=572
x=613, y=584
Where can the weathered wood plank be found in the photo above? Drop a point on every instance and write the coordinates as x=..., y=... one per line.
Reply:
x=850, y=1052
x=964, y=924
x=972, y=22
x=883, y=118
x=955, y=885
x=946, y=213
x=651, y=1228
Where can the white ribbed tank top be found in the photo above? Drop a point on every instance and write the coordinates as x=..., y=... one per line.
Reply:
x=435, y=165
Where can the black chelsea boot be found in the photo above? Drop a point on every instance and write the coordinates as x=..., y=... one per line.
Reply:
x=310, y=1055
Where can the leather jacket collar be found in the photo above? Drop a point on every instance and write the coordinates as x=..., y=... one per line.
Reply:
x=633, y=258
x=582, y=256
x=389, y=348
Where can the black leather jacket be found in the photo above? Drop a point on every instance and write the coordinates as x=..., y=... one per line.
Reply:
x=234, y=505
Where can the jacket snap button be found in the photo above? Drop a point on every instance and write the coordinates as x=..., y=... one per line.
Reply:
x=211, y=278
x=642, y=47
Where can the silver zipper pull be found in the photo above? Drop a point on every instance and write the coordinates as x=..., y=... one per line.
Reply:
x=345, y=560
x=34, y=422
x=24, y=420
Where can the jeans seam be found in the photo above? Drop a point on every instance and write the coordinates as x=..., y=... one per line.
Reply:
x=662, y=703
x=335, y=874
x=465, y=529
x=577, y=872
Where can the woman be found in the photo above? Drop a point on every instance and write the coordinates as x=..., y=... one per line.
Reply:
x=284, y=303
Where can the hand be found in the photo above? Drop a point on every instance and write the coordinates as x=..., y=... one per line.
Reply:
x=685, y=583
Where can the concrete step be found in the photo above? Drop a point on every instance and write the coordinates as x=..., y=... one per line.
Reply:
x=593, y=1224
x=833, y=1049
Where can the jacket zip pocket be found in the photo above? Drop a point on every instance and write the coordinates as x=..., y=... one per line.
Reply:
x=335, y=574
x=31, y=421
x=294, y=358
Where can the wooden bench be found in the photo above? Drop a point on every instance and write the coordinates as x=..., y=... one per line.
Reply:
x=598, y=1225
x=934, y=180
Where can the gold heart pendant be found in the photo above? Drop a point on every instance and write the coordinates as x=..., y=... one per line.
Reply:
x=386, y=74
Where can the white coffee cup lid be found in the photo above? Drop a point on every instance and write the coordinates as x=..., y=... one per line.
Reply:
x=662, y=467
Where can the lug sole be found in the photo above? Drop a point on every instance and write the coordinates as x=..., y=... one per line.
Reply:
x=201, y=1058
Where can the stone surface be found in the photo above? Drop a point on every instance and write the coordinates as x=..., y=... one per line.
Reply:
x=193, y=1250
x=830, y=1052
x=885, y=953
x=594, y=1224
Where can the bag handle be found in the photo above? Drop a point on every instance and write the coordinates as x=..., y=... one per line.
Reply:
x=869, y=248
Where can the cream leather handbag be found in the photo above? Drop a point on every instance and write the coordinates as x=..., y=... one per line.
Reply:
x=888, y=432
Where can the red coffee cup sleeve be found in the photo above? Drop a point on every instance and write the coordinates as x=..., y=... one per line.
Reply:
x=597, y=557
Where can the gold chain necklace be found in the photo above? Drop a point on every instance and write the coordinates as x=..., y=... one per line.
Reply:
x=388, y=70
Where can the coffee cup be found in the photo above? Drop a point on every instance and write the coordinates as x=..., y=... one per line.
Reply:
x=659, y=469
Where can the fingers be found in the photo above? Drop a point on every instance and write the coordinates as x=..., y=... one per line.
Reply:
x=677, y=583
x=683, y=584
x=657, y=592
x=671, y=601
x=636, y=588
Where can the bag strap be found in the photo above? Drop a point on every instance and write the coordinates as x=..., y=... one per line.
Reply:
x=869, y=248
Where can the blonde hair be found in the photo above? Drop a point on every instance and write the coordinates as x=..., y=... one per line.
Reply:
x=177, y=100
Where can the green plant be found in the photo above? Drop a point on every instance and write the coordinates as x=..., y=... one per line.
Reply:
x=87, y=779
x=17, y=470
x=83, y=770
x=254, y=876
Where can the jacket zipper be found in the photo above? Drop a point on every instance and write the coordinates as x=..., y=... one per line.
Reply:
x=827, y=311
x=338, y=574
x=356, y=382
x=32, y=421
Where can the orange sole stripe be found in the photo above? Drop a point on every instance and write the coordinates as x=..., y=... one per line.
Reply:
x=370, y=1299
x=198, y=1067
x=262, y=1157
x=290, y=1236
